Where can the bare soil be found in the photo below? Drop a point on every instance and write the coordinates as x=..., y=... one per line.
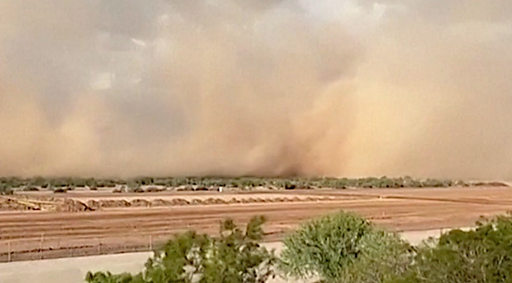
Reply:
x=140, y=222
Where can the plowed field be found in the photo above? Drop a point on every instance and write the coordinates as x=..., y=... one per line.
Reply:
x=128, y=227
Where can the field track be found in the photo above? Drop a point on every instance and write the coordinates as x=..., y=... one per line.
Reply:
x=39, y=234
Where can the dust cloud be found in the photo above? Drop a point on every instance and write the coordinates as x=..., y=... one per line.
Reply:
x=270, y=88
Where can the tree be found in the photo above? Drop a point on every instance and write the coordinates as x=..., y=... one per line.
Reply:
x=385, y=256
x=234, y=257
x=343, y=247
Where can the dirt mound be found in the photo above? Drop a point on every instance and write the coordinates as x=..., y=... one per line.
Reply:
x=8, y=204
x=489, y=184
x=140, y=203
x=214, y=201
x=161, y=202
x=180, y=201
x=94, y=204
x=70, y=205
x=22, y=203
x=114, y=203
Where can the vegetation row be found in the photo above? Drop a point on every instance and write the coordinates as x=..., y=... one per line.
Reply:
x=342, y=247
x=7, y=184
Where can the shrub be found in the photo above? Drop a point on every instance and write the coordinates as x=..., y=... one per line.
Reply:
x=38, y=181
x=234, y=257
x=60, y=183
x=117, y=190
x=343, y=248
x=185, y=189
x=146, y=181
x=201, y=189
x=5, y=190
x=480, y=255
x=91, y=183
x=161, y=182
x=31, y=189
x=104, y=183
x=60, y=191
x=154, y=190
x=136, y=190
x=290, y=187
x=79, y=182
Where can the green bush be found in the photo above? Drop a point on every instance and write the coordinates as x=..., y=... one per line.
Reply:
x=5, y=190
x=136, y=190
x=234, y=257
x=385, y=256
x=343, y=247
x=105, y=183
x=483, y=255
x=38, y=181
x=31, y=189
x=346, y=248
x=154, y=190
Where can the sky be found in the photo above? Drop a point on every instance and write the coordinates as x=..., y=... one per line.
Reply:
x=272, y=88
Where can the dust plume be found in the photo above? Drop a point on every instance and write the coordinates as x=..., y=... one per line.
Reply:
x=274, y=87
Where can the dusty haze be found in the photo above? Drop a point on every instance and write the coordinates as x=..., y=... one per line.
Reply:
x=251, y=87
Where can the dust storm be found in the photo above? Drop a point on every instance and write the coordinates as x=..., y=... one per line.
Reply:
x=268, y=88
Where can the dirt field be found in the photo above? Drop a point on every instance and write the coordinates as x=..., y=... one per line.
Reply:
x=48, y=234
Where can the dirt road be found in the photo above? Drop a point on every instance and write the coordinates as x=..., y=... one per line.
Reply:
x=35, y=235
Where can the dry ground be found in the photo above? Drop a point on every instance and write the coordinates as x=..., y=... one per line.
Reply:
x=42, y=234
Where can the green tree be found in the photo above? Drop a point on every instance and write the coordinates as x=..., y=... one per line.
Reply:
x=233, y=257
x=385, y=256
x=343, y=247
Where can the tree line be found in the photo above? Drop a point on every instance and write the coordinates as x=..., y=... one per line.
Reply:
x=10, y=183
